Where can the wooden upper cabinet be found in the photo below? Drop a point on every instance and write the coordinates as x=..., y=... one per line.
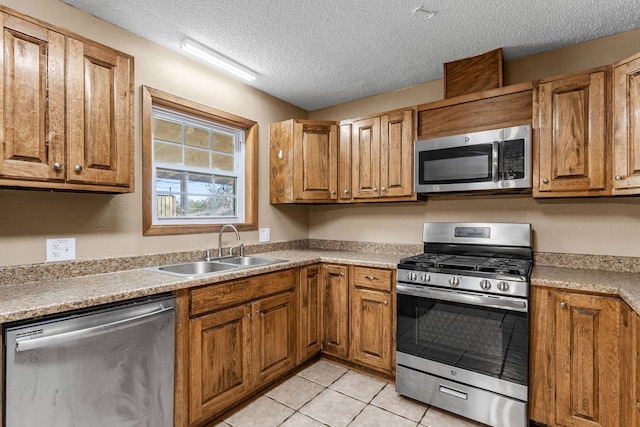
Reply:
x=67, y=110
x=33, y=96
x=99, y=103
x=382, y=157
x=570, y=125
x=396, y=154
x=365, y=152
x=303, y=161
x=626, y=120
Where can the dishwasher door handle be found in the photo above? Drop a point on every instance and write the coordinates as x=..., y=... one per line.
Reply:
x=27, y=344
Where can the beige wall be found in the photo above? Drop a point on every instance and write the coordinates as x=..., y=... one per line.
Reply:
x=111, y=225
x=608, y=226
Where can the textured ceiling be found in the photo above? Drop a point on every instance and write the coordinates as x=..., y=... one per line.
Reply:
x=315, y=54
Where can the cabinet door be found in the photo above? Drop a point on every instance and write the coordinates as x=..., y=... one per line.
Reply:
x=99, y=115
x=634, y=370
x=365, y=156
x=335, y=304
x=396, y=154
x=32, y=91
x=542, y=355
x=572, y=136
x=371, y=328
x=344, y=163
x=626, y=121
x=316, y=157
x=587, y=360
x=219, y=369
x=273, y=337
x=309, y=319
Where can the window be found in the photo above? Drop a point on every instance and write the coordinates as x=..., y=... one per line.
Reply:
x=199, y=167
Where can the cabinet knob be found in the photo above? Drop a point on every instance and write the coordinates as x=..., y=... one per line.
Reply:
x=374, y=189
x=370, y=277
x=57, y=166
x=563, y=305
x=341, y=274
x=386, y=303
x=78, y=168
x=383, y=189
x=333, y=191
x=619, y=177
x=545, y=181
x=346, y=191
x=249, y=315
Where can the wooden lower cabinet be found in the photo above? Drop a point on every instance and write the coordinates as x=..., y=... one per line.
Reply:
x=310, y=313
x=634, y=371
x=335, y=310
x=372, y=319
x=273, y=337
x=242, y=336
x=220, y=349
x=575, y=373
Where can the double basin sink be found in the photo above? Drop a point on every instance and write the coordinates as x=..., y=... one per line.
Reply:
x=220, y=265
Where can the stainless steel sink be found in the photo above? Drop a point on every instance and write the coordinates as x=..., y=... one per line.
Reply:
x=205, y=268
x=250, y=261
x=197, y=268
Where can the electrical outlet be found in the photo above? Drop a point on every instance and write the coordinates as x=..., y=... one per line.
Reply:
x=61, y=249
x=265, y=234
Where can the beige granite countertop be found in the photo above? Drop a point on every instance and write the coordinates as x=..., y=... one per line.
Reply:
x=626, y=285
x=20, y=301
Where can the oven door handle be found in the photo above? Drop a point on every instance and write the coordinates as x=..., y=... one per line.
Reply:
x=470, y=298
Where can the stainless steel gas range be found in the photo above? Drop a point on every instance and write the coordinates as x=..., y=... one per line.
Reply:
x=463, y=321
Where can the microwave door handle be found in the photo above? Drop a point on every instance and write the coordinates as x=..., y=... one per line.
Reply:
x=495, y=161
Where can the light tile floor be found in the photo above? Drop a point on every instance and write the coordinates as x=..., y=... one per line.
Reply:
x=326, y=394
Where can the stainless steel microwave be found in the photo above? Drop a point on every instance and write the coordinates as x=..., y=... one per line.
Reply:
x=490, y=161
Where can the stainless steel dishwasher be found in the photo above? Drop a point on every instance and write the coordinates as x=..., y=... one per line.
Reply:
x=111, y=366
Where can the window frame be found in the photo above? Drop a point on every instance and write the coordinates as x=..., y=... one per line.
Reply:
x=151, y=97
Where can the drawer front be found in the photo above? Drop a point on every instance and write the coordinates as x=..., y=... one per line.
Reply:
x=373, y=278
x=226, y=294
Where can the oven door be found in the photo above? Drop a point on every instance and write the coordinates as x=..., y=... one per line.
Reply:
x=469, y=338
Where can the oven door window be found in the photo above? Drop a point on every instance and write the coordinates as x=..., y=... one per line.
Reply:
x=456, y=165
x=488, y=341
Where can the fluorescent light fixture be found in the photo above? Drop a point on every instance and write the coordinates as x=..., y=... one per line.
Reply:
x=217, y=60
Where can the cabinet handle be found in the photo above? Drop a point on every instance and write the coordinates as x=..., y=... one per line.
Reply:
x=371, y=277
x=57, y=166
x=78, y=168
x=545, y=181
x=619, y=177
x=563, y=305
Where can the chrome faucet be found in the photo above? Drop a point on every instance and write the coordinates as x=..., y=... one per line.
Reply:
x=224, y=227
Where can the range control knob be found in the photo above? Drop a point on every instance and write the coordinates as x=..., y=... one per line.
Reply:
x=503, y=286
x=425, y=278
x=485, y=284
x=454, y=281
x=412, y=276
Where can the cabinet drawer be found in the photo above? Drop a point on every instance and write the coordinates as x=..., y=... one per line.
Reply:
x=373, y=278
x=216, y=296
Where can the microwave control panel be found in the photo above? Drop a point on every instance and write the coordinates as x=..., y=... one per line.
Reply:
x=512, y=164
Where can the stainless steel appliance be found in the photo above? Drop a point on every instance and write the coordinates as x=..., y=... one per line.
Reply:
x=107, y=367
x=494, y=160
x=463, y=321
